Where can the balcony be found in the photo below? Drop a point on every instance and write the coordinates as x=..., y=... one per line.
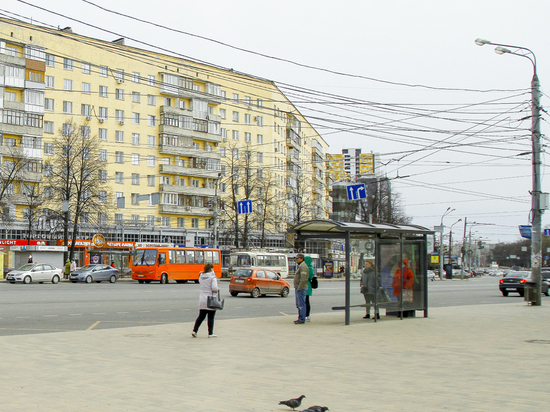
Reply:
x=187, y=190
x=293, y=140
x=187, y=152
x=35, y=85
x=178, y=131
x=30, y=176
x=178, y=91
x=186, y=210
x=188, y=171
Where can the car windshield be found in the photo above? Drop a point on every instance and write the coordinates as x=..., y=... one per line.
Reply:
x=522, y=275
x=28, y=266
x=243, y=273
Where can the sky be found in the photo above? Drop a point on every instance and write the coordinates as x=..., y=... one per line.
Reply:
x=403, y=79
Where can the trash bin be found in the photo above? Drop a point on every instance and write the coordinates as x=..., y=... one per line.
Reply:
x=529, y=292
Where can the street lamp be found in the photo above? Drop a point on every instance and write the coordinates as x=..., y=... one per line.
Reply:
x=536, y=206
x=449, y=210
x=450, y=242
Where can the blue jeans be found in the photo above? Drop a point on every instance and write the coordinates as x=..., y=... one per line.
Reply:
x=301, y=303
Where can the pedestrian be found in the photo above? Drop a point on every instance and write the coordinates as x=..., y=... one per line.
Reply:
x=113, y=264
x=67, y=268
x=300, y=287
x=369, y=286
x=30, y=259
x=311, y=273
x=73, y=266
x=209, y=286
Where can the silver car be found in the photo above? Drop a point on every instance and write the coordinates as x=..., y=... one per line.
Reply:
x=95, y=273
x=35, y=272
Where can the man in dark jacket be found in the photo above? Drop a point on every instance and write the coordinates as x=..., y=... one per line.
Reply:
x=300, y=287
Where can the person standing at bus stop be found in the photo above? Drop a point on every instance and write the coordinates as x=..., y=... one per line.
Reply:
x=301, y=278
x=209, y=286
x=311, y=273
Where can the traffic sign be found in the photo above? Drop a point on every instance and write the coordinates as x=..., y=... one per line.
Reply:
x=546, y=232
x=357, y=192
x=244, y=206
x=525, y=231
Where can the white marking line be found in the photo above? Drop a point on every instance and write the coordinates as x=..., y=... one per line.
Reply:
x=144, y=311
x=75, y=314
x=22, y=317
x=50, y=316
x=166, y=310
x=98, y=313
x=123, y=312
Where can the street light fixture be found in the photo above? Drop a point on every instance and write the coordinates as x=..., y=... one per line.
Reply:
x=536, y=206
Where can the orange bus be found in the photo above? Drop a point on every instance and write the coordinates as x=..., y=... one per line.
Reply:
x=166, y=263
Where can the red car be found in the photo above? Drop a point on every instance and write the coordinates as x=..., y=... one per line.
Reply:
x=258, y=282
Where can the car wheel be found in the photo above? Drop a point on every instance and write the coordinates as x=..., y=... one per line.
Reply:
x=74, y=281
x=546, y=293
x=233, y=293
x=504, y=292
x=284, y=292
x=255, y=293
x=55, y=279
x=88, y=279
x=141, y=281
x=164, y=279
x=27, y=280
x=112, y=279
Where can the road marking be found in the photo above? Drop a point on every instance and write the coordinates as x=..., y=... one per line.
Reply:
x=94, y=325
x=22, y=317
x=123, y=312
x=282, y=313
x=166, y=310
x=75, y=314
x=49, y=316
x=99, y=313
x=144, y=311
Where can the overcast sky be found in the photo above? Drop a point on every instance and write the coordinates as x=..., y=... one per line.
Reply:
x=447, y=117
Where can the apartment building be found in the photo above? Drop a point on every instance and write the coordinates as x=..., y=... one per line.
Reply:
x=169, y=130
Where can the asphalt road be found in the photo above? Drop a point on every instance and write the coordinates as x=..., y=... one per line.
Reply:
x=42, y=308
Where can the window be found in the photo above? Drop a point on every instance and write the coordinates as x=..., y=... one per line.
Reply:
x=50, y=60
x=260, y=157
x=166, y=161
x=150, y=141
x=235, y=135
x=85, y=109
x=260, y=103
x=136, y=77
x=223, y=133
x=195, y=223
x=67, y=84
x=103, y=91
x=67, y=64
x=50, y=81
x=119, y=217
x=182, y=104
x=135, y=178
x=222, y=151
x=67, y=107
x=181, y=222
x=119, y=75
x=151, y=100
x=247, y=119
x=222, y=113
x=247, y=100
x=119, y=136
x=48, y=170
x=168, y=101
x=119, y=115
x=48, y=148
x=135, y=198
x=102, y=134
x=11, y=97
x=235, y=153
x=136, y=97
x=102, y=176
x=260, y=120
x=102, y=196
x=119, y=94
x=86, y=68
x=86, y=88
x=151, y=180
x=119, y=157
x=48, y=104
x=103, y=71
x=85, y=131
x=235, y=98
x=119, y=177
x=151, y=161
x=151, y=80
x=247, y=137
x=135, y=118
x=135, y=139
x=102, y=155
x=260, y=139
x=235, y=116
x=102, y=218
x=48, y=192
x=135, y=159
x=151, y=120
x=103, y=113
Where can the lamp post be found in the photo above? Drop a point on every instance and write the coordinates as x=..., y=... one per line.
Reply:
x=536, y=207
x=451, y=242
x=449, y=210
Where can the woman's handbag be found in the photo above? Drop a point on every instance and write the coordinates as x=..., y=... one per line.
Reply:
x=314, y=282
x=408, y=295
x=214, y=302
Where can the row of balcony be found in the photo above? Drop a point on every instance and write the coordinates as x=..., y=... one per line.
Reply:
x=188, y=171
x=186, y=210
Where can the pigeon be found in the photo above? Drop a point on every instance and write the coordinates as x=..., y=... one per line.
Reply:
x=293, y=403
x=316, y=409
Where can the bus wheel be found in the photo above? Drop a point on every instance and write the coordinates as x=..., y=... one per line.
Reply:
x=164, y=279
x=255, y=293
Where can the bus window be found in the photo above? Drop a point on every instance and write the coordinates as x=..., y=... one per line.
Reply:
x=190, y=257
x=180, y=257
x=261, y=260
x=162, y=258
x=208, y=256
x=199, y=257
x=172, y=256
x=216, y=257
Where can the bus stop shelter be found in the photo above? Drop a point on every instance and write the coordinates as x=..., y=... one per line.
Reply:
x=398, y=253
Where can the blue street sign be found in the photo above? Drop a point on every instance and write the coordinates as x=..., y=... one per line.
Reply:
x=546, y=232
x=525, y=231
x=357, y=192
x=244, y=206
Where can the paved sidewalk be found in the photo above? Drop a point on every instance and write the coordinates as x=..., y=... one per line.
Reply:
x=468, y=358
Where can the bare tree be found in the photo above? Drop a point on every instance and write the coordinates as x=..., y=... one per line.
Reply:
x=300, y=199
x=34, y=200
x=266, y=211
x=383, y=204
x=75, y=179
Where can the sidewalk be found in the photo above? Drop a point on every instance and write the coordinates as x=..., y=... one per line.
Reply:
x=468, y=358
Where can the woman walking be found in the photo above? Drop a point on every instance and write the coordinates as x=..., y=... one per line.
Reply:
x=209, y=285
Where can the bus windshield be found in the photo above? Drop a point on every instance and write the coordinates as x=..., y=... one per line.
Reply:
x=241, y=260
x=146, y=257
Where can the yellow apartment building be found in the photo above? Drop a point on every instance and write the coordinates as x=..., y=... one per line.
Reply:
x=169, y=130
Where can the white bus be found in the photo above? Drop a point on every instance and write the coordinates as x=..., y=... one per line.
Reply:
x=276, y=262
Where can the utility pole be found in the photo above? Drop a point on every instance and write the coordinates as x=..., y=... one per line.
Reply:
x=215, y=215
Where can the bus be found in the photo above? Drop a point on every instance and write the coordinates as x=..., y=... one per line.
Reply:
x=276, y=262
x=166, y=263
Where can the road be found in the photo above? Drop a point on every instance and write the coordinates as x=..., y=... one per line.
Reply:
x=42, y=308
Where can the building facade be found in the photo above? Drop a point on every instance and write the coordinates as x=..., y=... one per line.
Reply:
x=173, y=137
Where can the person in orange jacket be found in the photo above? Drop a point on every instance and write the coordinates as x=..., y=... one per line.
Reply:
x=408, y=278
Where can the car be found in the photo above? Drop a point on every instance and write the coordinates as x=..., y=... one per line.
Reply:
x=515, y=281
x=258, y=282
x=95, y=273
x=431, y=275
x=35, y=272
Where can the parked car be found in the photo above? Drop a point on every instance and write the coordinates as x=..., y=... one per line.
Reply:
x=431, y=275
x=258, y=282
x=95, y=273
x=35, y=272
x=515, y=281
